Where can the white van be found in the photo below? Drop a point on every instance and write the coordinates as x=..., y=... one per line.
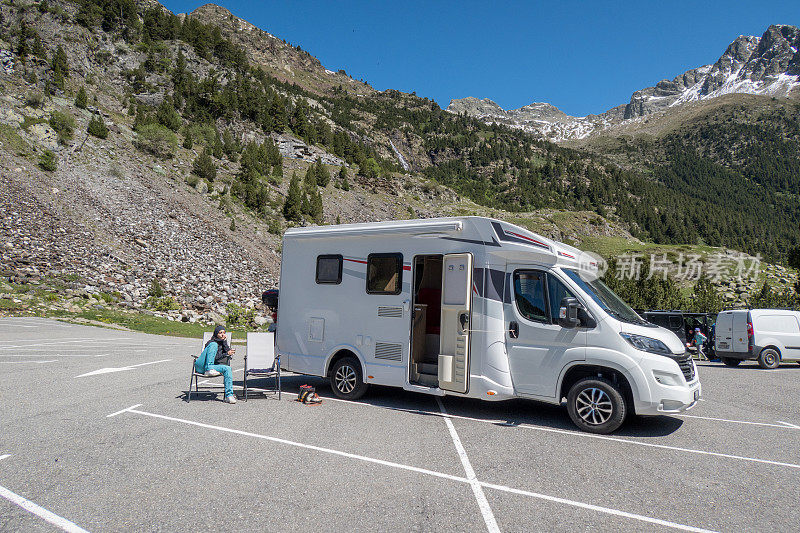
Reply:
x=472, y=307
x=767, y=335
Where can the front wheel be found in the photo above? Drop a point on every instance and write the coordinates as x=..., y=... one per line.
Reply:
x=730, y=361
x=769, y=358
x=346, y=380
x=595, y=405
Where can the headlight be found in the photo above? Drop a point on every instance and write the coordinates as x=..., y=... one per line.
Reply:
x=647, y=344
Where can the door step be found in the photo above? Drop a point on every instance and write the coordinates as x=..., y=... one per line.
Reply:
x=428, y=368
x=428, y=380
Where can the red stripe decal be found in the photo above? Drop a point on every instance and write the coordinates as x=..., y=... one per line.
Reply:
x=356, y=261
x=527, y=239
x=566, y=255
x=406, y=267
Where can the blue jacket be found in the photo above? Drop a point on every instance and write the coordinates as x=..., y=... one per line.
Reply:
x=206, y=358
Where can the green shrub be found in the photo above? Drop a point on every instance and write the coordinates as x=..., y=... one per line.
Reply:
x=63, y=124
x=34, y=99
x=204, y=166
x=80, y=99
x=239, y=316
x=48, y=161
x=155, y=289
x=157, y=140
x=97, y=127
x=192, y=181
x=163, y=304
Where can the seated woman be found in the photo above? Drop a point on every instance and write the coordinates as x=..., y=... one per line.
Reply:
x=215, y=349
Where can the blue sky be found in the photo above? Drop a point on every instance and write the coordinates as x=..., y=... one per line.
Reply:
x=583, y=57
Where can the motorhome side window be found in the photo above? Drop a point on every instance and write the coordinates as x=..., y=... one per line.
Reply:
x=384, y=273
x=529, y=295
x=329, y=269
x=556, y=292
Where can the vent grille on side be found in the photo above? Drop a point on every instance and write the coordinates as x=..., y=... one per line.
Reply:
x=389, y=352
x=390, y=312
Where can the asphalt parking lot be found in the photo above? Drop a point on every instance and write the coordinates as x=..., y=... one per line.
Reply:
x=95, y=435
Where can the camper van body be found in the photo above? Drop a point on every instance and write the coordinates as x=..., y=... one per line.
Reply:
x=373, y=292
x=767, y=335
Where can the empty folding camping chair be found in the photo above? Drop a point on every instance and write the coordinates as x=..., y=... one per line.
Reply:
x=260, y=361
x=195, y=375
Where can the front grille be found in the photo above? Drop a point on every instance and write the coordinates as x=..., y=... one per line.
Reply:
x=687, y=367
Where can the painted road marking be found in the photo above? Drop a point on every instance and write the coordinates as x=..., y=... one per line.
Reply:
x=6, y=456
x=582, y=505
x=119, y=369
x=41, y=512
x=124, y=410
x=508, y=423
x=790, y=426
x=93, y=341
x=477, y=490
x=787, y=424
x=22, y=362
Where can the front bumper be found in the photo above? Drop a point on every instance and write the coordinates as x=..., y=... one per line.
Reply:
x=670, y=399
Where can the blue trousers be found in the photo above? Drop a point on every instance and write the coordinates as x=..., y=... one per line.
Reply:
x=225, y=370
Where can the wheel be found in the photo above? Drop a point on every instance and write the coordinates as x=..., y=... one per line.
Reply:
x=769, y=358
x=346, y=380
x=730, y=361
x=595, y=405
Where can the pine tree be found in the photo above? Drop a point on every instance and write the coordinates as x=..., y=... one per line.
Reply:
x=60, y=65
x=278, y=113
x=344, y=185
x=97, y=127
x=80, y=99
x=48, y=161
x=167, y=116
x=22, y=44
x=322, y=173
x=204, y=166
x=294, y=199
x=38, y=49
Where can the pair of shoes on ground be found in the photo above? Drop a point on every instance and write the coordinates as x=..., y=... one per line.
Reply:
x=230, y=399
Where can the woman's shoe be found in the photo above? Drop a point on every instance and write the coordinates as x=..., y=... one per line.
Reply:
x=230, y=399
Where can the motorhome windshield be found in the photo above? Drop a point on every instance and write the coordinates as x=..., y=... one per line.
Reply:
x=605, y=298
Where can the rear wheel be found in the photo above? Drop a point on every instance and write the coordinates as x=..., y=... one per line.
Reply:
x=346, y=380
x=595, y=405
x=769, y=358
x=730, y=361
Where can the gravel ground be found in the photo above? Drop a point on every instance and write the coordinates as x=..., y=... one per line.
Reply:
x=387, y=462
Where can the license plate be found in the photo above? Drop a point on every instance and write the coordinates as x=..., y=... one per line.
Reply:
x=696, y=394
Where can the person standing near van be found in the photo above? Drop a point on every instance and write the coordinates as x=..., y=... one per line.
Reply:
x=699, y=341
x=205, y=364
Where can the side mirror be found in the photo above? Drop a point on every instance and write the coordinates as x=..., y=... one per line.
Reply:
x=568, y=313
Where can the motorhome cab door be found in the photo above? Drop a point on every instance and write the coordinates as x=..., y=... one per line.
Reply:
x=538, y=348
x=455, y=322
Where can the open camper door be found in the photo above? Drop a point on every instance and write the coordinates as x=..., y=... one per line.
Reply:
x=455, y=322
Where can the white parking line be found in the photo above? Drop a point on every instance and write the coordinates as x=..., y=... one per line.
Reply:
x=766, y=424
x=124, y=410
x=787, y=424
x=41, y=512
x=483, y=503
x=119, y=369
x=582, y=505
x=5, y=456
x=92, y=341
x=574, y=433
x=23, y=362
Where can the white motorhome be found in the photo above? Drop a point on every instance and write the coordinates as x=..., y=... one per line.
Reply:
x=766, y=335
x=472, y=307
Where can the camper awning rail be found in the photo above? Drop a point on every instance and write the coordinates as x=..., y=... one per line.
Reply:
x=353, y=230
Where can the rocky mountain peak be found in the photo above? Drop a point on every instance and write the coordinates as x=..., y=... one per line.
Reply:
x=765, y=65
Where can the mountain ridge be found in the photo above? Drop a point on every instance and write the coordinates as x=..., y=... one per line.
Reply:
x=767, y=65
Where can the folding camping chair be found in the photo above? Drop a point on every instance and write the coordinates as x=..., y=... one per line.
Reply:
x=261, y=361
x=195, y=375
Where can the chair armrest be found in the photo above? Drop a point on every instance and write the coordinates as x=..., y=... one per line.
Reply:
x=194, y=356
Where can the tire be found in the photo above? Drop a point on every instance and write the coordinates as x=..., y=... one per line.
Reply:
x=769, y=358
x=346, y=379
x=730, y=361
x=595, y=405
